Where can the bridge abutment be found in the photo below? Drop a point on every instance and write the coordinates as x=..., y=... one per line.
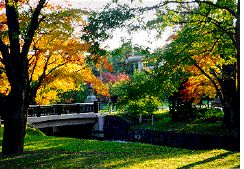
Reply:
x=55, y=129
x=97, y=130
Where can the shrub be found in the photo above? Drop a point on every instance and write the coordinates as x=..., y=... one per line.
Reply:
x=145, y=107
x=197, y=114
x=210, y=115
x=151, y=104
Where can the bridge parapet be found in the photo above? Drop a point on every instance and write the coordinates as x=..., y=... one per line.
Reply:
x=58, y=109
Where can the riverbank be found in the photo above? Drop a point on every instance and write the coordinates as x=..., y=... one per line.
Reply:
x=58, y=152
x=191, y=134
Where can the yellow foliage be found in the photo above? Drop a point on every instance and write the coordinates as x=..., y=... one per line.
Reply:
x=4, y=84
x=45, y=96
x=67, y=78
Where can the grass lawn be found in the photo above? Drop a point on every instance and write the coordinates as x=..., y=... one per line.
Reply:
x=57, y=152
x=163, y=122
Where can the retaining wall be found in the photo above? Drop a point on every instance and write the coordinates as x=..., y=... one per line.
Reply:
x=116, y=128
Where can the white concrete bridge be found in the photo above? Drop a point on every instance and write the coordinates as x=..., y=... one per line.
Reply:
x=58, y=115
x=63, y=120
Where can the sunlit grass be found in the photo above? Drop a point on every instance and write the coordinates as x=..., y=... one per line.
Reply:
x=57, y=152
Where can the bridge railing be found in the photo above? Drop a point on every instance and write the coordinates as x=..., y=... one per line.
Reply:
x=58, y=109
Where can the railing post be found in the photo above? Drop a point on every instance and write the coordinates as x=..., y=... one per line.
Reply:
x=95, y=104
x=59, y=109
x=38, y=111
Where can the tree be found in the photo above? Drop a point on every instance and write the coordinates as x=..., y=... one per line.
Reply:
x=36, y=46
x=118, y=57
x=140, y=85
x=210, y=29
x=15, y=60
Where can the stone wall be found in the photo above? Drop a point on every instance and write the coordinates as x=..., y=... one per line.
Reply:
x=183, y=140
x=116, y=128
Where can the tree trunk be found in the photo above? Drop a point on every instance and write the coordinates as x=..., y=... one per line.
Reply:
x=230, y=117
x=15, y=118
x=15, y=60
x=231, y=99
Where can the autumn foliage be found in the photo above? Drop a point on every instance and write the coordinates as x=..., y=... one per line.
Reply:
x=198, y=84
x=113, y=78
x=57, y=57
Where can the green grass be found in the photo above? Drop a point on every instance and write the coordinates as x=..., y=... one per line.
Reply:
x=57, y=152
x=163, y=122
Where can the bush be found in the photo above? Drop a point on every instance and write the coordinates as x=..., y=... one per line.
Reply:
x=210, y=115
x=185, y=113
x=144, y=107
x=151, y=104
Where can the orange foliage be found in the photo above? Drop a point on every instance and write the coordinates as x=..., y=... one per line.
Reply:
x=104, y=63
x=196, y=87
x=69, y=56
x=3, y=19
x=198, y=84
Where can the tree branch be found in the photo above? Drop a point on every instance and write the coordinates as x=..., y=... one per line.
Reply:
x=4, y=50
x=219, y=93
x=40, y=79
x=224, y=30
x=33, y=68
x=13, y=29
x=33, y=26
x=218, y=6
x=199, y=2
x=49, y=72
x=12, y=62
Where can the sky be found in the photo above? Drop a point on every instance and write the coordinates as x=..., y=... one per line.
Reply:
x=139, y=38
x=98, y=4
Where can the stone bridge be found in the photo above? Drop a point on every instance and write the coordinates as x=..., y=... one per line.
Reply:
x=60, y=115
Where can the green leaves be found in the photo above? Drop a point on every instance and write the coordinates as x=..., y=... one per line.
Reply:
x=110, y=18
x=100, y=24
x=207, y=34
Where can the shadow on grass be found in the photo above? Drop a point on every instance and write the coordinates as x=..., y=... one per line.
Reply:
x=53, y=152
x=211, y=159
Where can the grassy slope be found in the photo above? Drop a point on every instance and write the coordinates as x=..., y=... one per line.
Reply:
x=47, y=152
